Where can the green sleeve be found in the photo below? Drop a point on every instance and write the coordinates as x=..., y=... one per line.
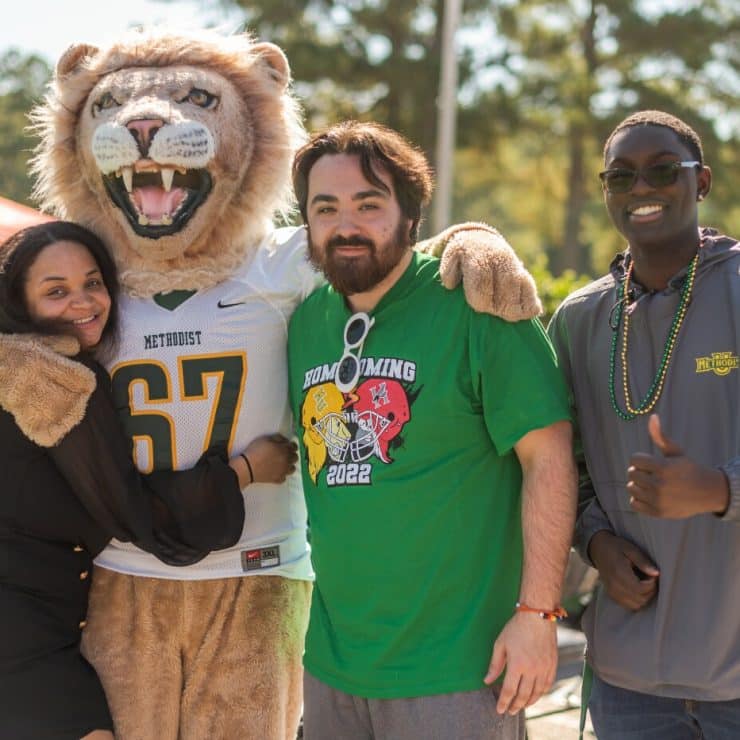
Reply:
x=518, y=381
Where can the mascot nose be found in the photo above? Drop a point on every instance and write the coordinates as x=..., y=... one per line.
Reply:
x=143, y=131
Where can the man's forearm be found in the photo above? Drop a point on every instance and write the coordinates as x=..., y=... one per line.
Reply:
x=549, y=494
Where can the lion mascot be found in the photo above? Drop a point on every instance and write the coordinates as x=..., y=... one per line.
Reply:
x=176, y=149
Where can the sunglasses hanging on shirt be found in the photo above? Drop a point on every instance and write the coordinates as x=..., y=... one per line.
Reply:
x=348, y=368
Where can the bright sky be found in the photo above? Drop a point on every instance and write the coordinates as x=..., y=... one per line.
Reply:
x=48, y=27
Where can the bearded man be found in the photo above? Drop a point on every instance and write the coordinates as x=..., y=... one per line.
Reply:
x=436, y=463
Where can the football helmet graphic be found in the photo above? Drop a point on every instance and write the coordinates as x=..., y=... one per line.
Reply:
x=324, y=428
x=381, y=410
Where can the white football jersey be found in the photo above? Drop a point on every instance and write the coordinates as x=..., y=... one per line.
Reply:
x=214, y=369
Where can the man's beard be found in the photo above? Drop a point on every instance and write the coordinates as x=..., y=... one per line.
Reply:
x=351, y=275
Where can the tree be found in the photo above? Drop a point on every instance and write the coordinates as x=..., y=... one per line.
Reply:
x=373, y=59
x=571, y=69
x=22, y=82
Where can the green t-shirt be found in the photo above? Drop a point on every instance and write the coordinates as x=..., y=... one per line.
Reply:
x=412, y=484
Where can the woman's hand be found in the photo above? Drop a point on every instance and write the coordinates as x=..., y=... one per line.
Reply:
x=271, y=459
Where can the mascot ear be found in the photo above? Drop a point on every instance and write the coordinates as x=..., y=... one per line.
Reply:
x=276, y=61
x=73, y=58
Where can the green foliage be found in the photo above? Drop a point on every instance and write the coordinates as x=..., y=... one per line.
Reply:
x=542, y=84
x=22, y=80
x=368, y=59
x=520, y=187
x=553, y=289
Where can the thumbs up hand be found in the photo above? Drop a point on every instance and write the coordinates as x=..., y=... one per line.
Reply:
x=667, y=446
x=671, y=485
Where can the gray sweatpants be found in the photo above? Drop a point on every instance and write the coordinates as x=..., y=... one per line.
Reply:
x=330, y=714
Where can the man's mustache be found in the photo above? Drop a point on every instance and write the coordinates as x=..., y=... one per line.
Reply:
x=350, y=241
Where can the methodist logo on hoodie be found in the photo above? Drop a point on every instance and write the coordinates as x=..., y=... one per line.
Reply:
x=720, y=363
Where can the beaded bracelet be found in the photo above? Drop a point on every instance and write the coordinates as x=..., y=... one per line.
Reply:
x=249, y=467
x=555, y=615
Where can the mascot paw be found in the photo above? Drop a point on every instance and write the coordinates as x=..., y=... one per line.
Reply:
x=45, y=391
x=494, y=279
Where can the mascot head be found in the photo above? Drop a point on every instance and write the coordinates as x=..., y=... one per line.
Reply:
x=174, y=148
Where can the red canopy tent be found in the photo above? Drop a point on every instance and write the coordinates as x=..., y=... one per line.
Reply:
x=15, y=216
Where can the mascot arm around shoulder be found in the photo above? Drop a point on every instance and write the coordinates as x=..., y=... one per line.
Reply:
x=494, y=279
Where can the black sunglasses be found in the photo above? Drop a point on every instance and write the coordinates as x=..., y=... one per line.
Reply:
x=623, y=179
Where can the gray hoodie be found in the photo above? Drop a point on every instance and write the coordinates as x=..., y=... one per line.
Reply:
x=686, y=642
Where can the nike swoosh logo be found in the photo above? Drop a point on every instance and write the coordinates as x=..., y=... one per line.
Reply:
x=229, y=305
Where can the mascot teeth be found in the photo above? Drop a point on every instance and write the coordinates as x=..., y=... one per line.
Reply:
x=157, y=200
x=168, y=175
x=127, y=173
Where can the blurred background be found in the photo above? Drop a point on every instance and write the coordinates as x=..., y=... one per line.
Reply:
x=533, y=90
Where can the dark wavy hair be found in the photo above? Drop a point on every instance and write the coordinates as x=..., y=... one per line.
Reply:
x=376, y=146
x=17, y=255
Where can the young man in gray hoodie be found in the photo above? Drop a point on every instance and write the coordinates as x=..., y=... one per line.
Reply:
x=651, y=354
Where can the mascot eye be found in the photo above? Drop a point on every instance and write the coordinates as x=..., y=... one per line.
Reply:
x=201, y=98
x=104, y=102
